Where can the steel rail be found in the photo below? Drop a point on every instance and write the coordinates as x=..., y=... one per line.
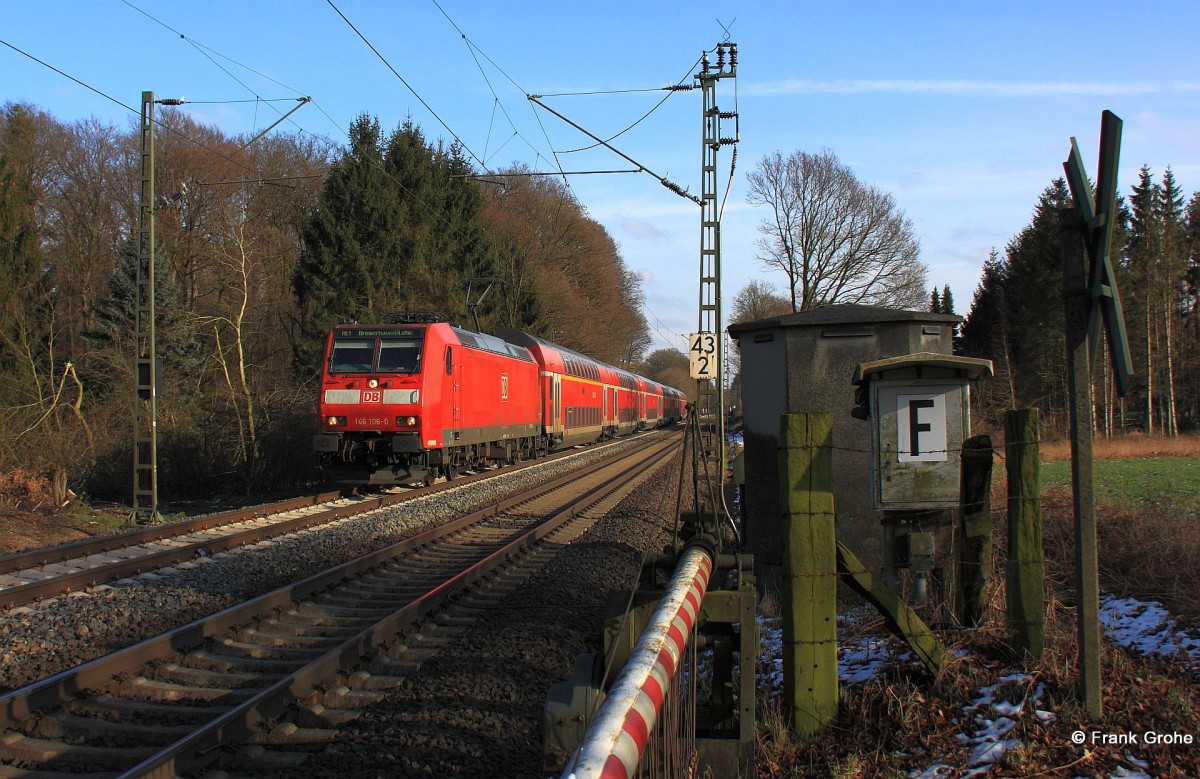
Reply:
x=243, y=720
x=21, y=594
x=36, y=558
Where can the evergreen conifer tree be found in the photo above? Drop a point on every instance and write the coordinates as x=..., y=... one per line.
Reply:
x=947, y=306
x=23, y=301
x=1034, y=298
x=398, y=228
x=111, y=339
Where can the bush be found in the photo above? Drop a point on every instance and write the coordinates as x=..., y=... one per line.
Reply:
x=24, y=489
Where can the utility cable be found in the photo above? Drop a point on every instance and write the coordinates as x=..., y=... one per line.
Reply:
x=198, y=45
x=671, y=90
x=396, y=73
x=678, y=190
x=209, y=53
x=370, y=155
x=69, y=76
x=127, y=107
x=474, y=49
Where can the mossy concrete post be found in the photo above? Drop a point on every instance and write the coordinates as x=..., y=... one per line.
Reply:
x=810, y=680
x=1026, y=568
x=975, y=538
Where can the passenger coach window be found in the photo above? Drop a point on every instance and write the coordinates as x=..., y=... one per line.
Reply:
x=352, y=356
x=399, y=355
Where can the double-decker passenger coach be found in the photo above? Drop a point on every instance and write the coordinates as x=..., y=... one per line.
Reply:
x=418, y=397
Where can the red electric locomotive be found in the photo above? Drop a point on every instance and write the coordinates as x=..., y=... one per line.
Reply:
x=407, y=401
x=403, y=403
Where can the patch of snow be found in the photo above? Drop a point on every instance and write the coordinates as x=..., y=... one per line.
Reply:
x=1140, y=626
x=1127, y=773
x=1145, y=627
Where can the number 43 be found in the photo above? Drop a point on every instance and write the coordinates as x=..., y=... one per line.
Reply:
x=703, y=362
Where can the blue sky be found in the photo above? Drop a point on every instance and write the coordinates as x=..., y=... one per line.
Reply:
x=964, y=116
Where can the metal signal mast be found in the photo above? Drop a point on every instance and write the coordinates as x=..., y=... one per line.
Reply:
x=145, y=403
x=706, y=346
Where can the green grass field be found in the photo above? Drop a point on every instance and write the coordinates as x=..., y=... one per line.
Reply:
x=1170, y=484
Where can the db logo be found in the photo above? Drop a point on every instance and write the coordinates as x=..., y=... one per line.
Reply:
x=504, y=386
x=372, y=396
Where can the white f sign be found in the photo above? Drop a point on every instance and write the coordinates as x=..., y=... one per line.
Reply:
x=921, y=428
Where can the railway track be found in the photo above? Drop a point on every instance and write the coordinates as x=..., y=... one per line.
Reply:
x=27, y=577
x=284, y=669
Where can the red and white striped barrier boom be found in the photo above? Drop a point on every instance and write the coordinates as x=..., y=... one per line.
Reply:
x=617, y=737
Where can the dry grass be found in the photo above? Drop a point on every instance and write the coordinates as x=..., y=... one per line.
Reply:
x=904, y=721
x=1144, y=552
x=25, y=490
x=1127, y=446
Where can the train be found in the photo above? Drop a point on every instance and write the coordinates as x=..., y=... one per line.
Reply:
x=417, y=397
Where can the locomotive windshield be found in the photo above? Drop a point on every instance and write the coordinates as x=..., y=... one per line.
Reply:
x=399, y=355
x=352, y=355
x=377, y=355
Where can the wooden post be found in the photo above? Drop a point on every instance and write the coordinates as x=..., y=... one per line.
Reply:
x=810, y=680
x=1076, y=302
x=900, y=619
x=975, y=538
x=1026, y=570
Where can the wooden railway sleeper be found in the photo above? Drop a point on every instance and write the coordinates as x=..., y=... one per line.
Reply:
x=291, y=734
x=341, y=696
x=158, y=691
x=202, y=659
x=267, y=648
x=203, y=678
x=348, y=613
x=21, y=749
x=376, y=593
x=396, y=667
x=365, y=680
x=257, y=758
x=73, y=728
x=323, y=617
x=307, y=620
x=352, y=599
x=105, y=705
x=316, y=715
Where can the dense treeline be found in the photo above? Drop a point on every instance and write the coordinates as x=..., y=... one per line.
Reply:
x=260, y=247
x=1016, y=316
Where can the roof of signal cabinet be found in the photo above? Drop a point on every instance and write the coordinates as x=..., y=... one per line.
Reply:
x=844, y=314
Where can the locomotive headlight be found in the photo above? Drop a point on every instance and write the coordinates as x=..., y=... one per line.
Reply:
x=406, y=421
x=373, y=383
x=336, y=421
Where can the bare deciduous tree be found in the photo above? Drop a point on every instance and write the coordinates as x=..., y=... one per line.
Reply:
x=578, y=275
x=836, y=239
x=757, y=300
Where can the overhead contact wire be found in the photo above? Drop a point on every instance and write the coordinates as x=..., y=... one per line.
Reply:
x=129, y=108
x=474, y=48
x=370, y=156
x=396, y=73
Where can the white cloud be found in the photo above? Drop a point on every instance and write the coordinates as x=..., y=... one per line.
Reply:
x=645, y=231
x=1158, y=128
